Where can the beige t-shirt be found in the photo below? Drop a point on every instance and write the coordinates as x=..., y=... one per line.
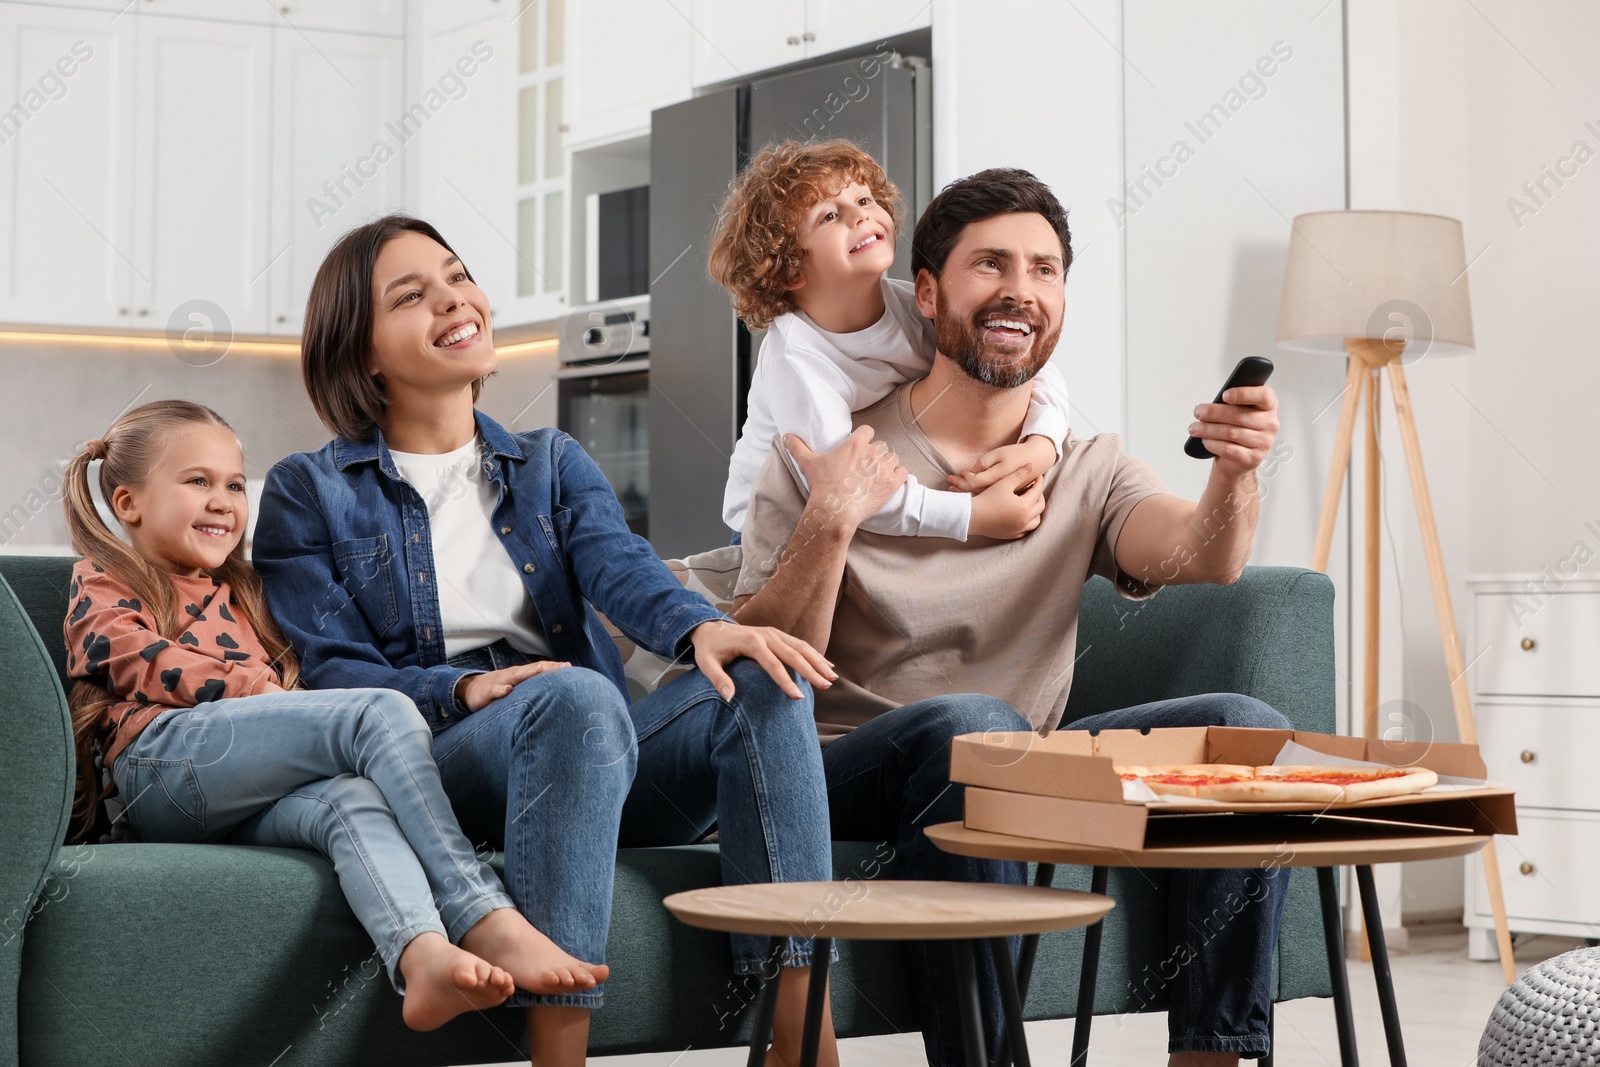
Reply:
x=919, y=617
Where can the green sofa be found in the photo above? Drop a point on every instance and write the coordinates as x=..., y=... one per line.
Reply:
x=167, y=955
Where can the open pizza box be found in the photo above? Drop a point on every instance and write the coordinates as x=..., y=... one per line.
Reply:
x=1062, y=787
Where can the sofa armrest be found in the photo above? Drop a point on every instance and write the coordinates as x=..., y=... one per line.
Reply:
x=36, y=777
x=1269, y=635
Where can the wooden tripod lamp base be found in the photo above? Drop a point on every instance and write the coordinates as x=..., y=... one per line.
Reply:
x=1369, y=360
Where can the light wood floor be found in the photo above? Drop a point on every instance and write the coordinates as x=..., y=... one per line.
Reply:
x=1444, y=1001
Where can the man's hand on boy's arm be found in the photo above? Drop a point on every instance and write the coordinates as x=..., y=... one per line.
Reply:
x=1037, y=450
x=849, y=484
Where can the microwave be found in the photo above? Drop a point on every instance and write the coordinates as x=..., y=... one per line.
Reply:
x=617, y=244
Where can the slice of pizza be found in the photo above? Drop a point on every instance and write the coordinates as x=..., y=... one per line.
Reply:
x=1185, y=779
x=1343, y=785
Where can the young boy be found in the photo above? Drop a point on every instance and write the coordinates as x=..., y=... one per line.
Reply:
x=803, y=244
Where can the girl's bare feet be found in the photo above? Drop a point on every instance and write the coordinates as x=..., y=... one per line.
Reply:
x=442, y=981
x=506, y=939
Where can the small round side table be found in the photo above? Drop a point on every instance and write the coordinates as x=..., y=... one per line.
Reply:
x=962, y=912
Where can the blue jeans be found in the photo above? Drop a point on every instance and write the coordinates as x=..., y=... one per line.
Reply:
x=749, y=766
x=890, y=779
x=542, y=772
x=346, y=772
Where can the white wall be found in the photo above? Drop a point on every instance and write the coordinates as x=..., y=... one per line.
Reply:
x=1453, y=108
x=1021, y=83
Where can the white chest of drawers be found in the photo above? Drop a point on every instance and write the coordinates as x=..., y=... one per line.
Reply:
x=1536, y=692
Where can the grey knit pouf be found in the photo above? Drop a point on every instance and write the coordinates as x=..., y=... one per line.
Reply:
x=1550, y=1015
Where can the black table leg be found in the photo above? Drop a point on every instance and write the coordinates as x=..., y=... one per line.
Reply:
x=1044, y=878
x=1013, y=1042
x=766, y=1005
x=971, y=1006
x=816, y=996
x=1380, y=966
x=1333, y=934
x=1272, y=1017
x=1086, y=980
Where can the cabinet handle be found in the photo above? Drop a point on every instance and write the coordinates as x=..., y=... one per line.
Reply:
x=1526, y=868
x=1527, y=644
x=794, y=40
x=808, y=37
x=144, y=311
x=122, y=311
x=283, y=318
x=1527, y=757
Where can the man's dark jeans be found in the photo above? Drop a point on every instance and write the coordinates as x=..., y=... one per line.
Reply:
x=890, y=779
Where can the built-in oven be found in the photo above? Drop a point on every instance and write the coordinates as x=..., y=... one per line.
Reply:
x=603, y=397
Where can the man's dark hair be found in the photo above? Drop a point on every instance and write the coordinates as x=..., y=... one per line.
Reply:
x=997, y=191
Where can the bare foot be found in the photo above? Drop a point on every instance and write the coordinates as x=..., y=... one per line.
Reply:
x=442, y=981
x=505, y=938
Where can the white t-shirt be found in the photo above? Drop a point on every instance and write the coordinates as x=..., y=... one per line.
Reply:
x=808, y=381
x=481, y=595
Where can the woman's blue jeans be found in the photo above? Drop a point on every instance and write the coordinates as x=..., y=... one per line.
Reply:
x=347, y=772
x=548, y=770
x=542, y=773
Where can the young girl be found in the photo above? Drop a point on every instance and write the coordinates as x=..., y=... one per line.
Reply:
x=803, y=245
x=188, y=688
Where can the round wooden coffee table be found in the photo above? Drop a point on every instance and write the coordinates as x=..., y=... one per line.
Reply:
x=1324, y=855
x=963, y=912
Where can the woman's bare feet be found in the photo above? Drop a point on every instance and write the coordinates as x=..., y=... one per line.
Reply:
x=442, y=981
x=538, y=965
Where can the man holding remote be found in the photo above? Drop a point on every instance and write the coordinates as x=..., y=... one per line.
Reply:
x=933, y=638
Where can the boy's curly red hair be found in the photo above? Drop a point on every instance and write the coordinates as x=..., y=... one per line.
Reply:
x=755, y=252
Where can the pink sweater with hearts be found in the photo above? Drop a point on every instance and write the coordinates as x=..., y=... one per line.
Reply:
x=113, y=642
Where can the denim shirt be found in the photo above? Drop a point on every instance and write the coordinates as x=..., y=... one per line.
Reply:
x=343, y=547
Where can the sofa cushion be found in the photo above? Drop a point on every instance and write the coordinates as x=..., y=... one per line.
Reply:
x=711, y=574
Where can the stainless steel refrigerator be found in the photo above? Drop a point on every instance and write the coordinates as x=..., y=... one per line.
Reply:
x=701, y=355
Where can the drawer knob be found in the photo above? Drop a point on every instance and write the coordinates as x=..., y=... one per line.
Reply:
x=1527, y=644
x=1526, y=868
x=1527, y=756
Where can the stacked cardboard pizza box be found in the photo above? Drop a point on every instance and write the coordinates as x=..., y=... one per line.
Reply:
x=1135, y=789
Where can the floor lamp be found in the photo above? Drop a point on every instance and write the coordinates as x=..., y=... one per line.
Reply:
x=1386, y=288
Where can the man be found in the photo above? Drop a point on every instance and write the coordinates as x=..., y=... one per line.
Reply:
x=933, y=638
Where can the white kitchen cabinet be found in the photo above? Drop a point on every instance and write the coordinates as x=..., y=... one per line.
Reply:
x=735, y=38
x=340, y=133
x=201, y=175
x=66, y=144
x=441, y=15
x=467, y=161
x=372, y=17
x=836, y=24
x=627, y=59
x=1537, y=698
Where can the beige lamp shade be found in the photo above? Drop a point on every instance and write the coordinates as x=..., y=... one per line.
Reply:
x=1384, y=275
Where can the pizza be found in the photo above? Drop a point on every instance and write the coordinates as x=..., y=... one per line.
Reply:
x=1310, y=784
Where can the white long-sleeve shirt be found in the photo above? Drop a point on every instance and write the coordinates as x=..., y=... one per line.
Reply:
x=808, y=380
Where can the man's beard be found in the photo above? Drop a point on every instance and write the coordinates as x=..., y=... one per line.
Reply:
x=962, y=340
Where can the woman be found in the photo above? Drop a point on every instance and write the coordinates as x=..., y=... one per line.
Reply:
x=427, y=549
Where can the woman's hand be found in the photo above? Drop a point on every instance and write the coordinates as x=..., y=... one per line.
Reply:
x=718, y=643
x=476, y=690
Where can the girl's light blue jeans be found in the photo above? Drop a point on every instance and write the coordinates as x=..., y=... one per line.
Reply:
x=346, y=772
